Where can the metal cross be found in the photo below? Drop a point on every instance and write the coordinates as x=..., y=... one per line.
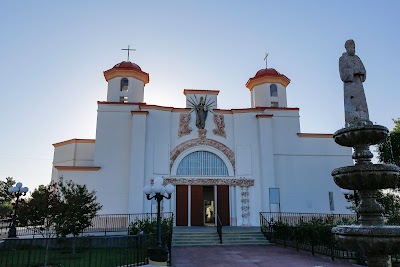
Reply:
x=266, y=60
x=129, y=49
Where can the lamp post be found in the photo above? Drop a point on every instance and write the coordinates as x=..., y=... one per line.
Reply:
x=157, y=192
x=18, y=191
x=159, y=254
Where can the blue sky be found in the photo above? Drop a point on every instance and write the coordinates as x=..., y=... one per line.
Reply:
x=53, y=54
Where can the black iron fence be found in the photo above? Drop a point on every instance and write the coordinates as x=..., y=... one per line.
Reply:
x=107, y=224
x=107, y=251
x=294, y=218
x=309, y=232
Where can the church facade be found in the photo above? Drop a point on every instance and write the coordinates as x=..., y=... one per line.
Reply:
x=232, y=163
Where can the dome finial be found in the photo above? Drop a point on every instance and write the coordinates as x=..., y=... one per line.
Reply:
x=129, y=49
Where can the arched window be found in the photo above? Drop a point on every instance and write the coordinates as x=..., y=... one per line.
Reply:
x=202, y=163
x=273, y=89
x=124, y=84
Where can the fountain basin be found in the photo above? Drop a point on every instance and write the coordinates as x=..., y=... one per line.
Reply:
x=361, y=135
x=370, y=240
x=367, y=176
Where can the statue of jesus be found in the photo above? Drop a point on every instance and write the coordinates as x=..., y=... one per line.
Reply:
x=353, y=74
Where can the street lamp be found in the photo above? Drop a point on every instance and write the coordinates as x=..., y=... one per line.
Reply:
x=158, y=192
x=18, y=191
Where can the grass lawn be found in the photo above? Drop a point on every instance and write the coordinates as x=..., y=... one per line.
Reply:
x=96, y=257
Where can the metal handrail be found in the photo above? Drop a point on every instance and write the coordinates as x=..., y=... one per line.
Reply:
x=219, y=228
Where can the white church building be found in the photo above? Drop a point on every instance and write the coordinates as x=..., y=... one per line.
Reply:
x=232, y=163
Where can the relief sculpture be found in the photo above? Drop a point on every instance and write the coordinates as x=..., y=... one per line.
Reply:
x=184, y=129
x=219, y=125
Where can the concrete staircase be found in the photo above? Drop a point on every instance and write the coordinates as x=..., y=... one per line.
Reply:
x=244, y=239
x=207, y=236
x=188, y=239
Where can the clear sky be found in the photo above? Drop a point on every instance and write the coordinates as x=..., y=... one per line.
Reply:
x=53, y=54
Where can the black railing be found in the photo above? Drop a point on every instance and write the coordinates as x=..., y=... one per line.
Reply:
x=102, y=251
x=107, y=224
x=219, y=228
x=294, y=218
x=317, y=239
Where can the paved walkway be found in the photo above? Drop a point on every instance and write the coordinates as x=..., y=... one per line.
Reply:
x=249, y=256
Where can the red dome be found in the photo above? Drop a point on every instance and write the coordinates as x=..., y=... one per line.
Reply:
x=267, y=75
x=265, y=72
x=126, y=69
x=127, y=65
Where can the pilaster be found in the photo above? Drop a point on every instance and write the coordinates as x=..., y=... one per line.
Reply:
x=267, y=166
x=138, y=149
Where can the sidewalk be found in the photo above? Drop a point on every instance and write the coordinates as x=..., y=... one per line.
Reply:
x=249, y=256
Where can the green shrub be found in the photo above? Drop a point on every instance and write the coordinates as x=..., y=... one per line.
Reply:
x=316, y=231
x=149, y=226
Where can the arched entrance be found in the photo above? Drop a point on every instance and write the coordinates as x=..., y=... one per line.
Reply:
x=199, y=202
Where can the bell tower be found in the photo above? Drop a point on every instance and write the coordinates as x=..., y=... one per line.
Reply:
x=126, y=82
x=268, y=89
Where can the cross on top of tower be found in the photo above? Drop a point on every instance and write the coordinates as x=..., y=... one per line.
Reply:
x=128, y=49
x=266, y=60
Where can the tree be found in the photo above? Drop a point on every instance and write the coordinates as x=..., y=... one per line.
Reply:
x=58, y=209
x=40, y=212
x=390, y=201
x=389, y=151
x=78, y=210
x=6, y=197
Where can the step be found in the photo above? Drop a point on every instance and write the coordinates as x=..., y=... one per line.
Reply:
x=231, y=238
x=195, y=239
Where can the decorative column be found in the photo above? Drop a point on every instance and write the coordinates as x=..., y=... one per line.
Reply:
x=245, y=206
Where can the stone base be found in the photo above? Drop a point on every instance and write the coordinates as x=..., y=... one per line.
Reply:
x=155, y=263
x=158, y=256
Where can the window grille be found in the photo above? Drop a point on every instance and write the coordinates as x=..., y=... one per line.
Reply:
x=202, y=163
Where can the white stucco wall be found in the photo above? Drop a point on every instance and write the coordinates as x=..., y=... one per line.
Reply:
x=135, y=91
x=261, y=96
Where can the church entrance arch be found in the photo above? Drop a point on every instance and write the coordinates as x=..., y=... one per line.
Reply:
x=204, y=198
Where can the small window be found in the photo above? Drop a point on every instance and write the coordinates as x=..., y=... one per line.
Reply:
x=124, y=84
x=123, y=99
x=273, y=89
x=275, y=104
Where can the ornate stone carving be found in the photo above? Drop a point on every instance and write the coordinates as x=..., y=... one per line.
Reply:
x=202, y=133
x=245, y=206
x=205, y=142
x=184, y=120
x=211, y=181
x=219, y=125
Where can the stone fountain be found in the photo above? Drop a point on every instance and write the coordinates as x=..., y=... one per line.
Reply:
x=369, y=236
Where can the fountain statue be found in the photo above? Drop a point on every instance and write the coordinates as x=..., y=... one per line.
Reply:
x=369, y=236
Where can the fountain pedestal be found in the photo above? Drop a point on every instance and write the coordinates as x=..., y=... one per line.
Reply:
x=370, y=236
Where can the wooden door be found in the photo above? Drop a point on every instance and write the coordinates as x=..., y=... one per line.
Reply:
x=223, y=204
x=196, y=206
x=181, y=205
